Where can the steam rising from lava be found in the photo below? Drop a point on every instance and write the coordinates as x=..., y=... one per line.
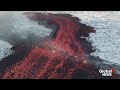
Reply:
x=61, y=54
x=18, y=29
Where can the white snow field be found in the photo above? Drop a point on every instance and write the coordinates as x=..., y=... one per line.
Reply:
x=5, y=49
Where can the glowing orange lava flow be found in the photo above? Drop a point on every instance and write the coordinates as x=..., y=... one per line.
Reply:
x=59, y=58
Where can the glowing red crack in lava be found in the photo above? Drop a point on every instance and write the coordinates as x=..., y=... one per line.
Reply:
x=58, y=58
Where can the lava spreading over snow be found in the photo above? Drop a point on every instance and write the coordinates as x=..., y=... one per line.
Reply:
x=63, y=55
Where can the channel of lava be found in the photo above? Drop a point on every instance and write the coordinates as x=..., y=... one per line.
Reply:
x=61, y=56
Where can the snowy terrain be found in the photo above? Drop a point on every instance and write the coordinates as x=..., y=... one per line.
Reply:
x=5, y=49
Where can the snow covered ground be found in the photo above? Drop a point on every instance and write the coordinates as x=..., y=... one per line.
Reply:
x=106, y=40
x=5, y=49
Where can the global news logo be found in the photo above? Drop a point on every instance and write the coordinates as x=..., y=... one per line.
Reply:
x=106, y=72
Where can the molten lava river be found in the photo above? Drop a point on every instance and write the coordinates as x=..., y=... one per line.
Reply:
x=62, y=55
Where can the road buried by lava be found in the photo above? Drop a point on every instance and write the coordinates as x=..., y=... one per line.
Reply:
x=62, y=55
